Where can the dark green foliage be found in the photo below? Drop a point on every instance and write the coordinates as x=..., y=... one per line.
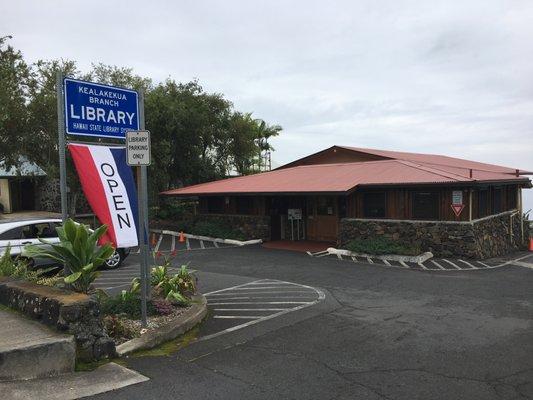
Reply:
x=216, y=230
x=77, y=250
x=18, y=268
x=174, y=209
x=382, y=245
x=128, y=306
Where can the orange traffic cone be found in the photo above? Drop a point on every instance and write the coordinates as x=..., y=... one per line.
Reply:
x=530, y=244
x=182, y=237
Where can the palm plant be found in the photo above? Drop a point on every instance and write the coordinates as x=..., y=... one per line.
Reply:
x=77, y=251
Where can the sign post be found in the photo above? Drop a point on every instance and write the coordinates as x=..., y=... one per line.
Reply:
x=138, y=154
x=107, y=112
x=61, y=145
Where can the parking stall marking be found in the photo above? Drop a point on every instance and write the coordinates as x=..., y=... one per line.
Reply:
x=438, y=264
x=258, y=301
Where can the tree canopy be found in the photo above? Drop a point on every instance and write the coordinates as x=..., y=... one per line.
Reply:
x=196, y=136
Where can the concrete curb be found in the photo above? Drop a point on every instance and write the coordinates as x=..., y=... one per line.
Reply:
x=171, y=330
x=389, y=257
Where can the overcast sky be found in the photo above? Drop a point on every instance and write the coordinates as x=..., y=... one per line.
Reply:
x=448, y=77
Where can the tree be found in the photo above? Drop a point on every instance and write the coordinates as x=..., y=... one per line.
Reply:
x=14, y=92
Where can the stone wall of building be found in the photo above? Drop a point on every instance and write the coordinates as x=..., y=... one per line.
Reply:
x=48, y=195
x=69, y=312
x=483, y=238
x=251, y=226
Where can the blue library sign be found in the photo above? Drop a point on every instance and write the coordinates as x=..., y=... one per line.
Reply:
x=92, y=109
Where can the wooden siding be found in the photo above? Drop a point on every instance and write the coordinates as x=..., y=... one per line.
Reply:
x=399, y=202
x=333, y=156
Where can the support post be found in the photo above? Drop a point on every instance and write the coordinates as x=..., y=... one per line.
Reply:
x=521, y=211
x=61, y=145
x=470, y=193
x=142, y=193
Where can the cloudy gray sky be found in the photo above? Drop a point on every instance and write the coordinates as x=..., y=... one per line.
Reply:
x=449, y=77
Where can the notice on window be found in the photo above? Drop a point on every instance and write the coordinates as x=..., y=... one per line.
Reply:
x=457, y=202
x=294, y=214
x=457, y=197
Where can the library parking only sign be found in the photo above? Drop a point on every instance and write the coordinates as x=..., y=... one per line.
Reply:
x=98, y=110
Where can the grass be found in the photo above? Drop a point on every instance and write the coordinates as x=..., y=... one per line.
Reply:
x=170, y=347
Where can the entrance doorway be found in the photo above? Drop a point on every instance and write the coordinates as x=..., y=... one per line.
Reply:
x=281, y=227
x=22, y=192
x=322, y=218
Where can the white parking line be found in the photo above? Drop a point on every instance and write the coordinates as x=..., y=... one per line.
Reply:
x=248, y=309
x=438, y=265
x=452, y=264
x=269, y=283
x=257, y=288
x=259, y=292
x=272, y=291
x=469, y=264
x=261, y=302
x=523, y=264
x=422, y=266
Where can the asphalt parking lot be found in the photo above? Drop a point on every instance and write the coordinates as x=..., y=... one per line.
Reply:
x=379, y=333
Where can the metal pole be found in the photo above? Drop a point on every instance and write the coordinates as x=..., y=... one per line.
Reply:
x=142, y=183
x=61, y=145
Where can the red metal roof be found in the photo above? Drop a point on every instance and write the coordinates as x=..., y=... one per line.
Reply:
x=341, y=178
x=438, y=160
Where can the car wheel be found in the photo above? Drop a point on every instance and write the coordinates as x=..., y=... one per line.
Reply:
x=30, y=262
x=115, y=260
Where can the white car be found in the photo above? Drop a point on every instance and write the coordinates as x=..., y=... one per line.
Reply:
x=17, y=234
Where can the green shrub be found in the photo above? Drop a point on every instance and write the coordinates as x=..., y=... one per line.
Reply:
x=7, y=263
x=381, y=245
x=18, y=268
x=174, y=209
x=77, y=250
x=216, y=230
x=127, y=306
x=177, y=288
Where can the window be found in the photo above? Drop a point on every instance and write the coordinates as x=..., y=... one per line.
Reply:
x=425, y=205
x=325, y=205
x=215, y=205
x=374, y=205
x=342, y=206
x=35, y=231
x=512, y=196
x=496, y=201
x=245, y=205
x=12, y=234
x=483, y=202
